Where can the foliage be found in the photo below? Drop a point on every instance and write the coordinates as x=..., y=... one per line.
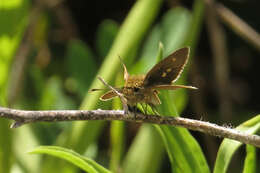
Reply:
x=58, y=75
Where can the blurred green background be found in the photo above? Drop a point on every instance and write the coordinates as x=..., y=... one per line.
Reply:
x=52, y=51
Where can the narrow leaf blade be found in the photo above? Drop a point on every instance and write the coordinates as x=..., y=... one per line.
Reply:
x=84, y=163
x=228, y=147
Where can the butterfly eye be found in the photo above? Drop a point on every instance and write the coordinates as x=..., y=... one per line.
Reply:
x=136, y=89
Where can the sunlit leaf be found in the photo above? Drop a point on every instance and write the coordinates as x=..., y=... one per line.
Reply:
x=84, y=163
x=250, y=164
x=81, y=67
x=13, y=21
x=228, y=147
x=106, y=34
x=146, y=152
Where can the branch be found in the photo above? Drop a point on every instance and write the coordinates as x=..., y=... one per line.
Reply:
x=220, y=57
x=238, y=26
x=23, y=117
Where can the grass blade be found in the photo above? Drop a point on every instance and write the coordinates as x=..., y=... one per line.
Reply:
x=228, y=147
x=84, y=163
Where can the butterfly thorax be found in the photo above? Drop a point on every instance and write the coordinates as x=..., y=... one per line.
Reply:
x=135, y=92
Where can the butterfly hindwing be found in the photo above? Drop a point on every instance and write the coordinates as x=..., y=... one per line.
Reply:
x=108, y=95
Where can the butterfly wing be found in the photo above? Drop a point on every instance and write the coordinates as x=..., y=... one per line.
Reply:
x=168, y=70
x=108, y=95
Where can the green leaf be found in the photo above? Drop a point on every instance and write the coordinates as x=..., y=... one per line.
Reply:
x=82, y=162
x=196, y=25
x=117, y=143
x=228, y=147
x=174, y=28
x=13, y=21
x=27, y=139
x=160, y=53
x=250, y=164
x=146, y=152
x=149, y=51
x=183, y=150
x=81, y=67
x=106, y=34
x=53, y=96
x=5, y=149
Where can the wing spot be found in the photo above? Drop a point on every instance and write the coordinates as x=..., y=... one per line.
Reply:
x=164, y=74
x=173, y=59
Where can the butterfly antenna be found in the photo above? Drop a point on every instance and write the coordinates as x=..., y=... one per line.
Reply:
x=122, y=98
x=126, y=74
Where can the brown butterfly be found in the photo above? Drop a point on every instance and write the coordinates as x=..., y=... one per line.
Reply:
x=144, y=88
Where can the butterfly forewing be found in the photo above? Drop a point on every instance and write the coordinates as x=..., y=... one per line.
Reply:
x=168, y=70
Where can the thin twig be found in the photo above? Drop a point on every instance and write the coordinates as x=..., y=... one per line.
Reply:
x=220, y=57
x=20, y=62
x=238, y=26
x=22, y=117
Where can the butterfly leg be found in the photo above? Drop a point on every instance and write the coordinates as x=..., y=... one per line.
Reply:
x=134, y=109
x=131, y=108
x=154, y=109
x=145, y=108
